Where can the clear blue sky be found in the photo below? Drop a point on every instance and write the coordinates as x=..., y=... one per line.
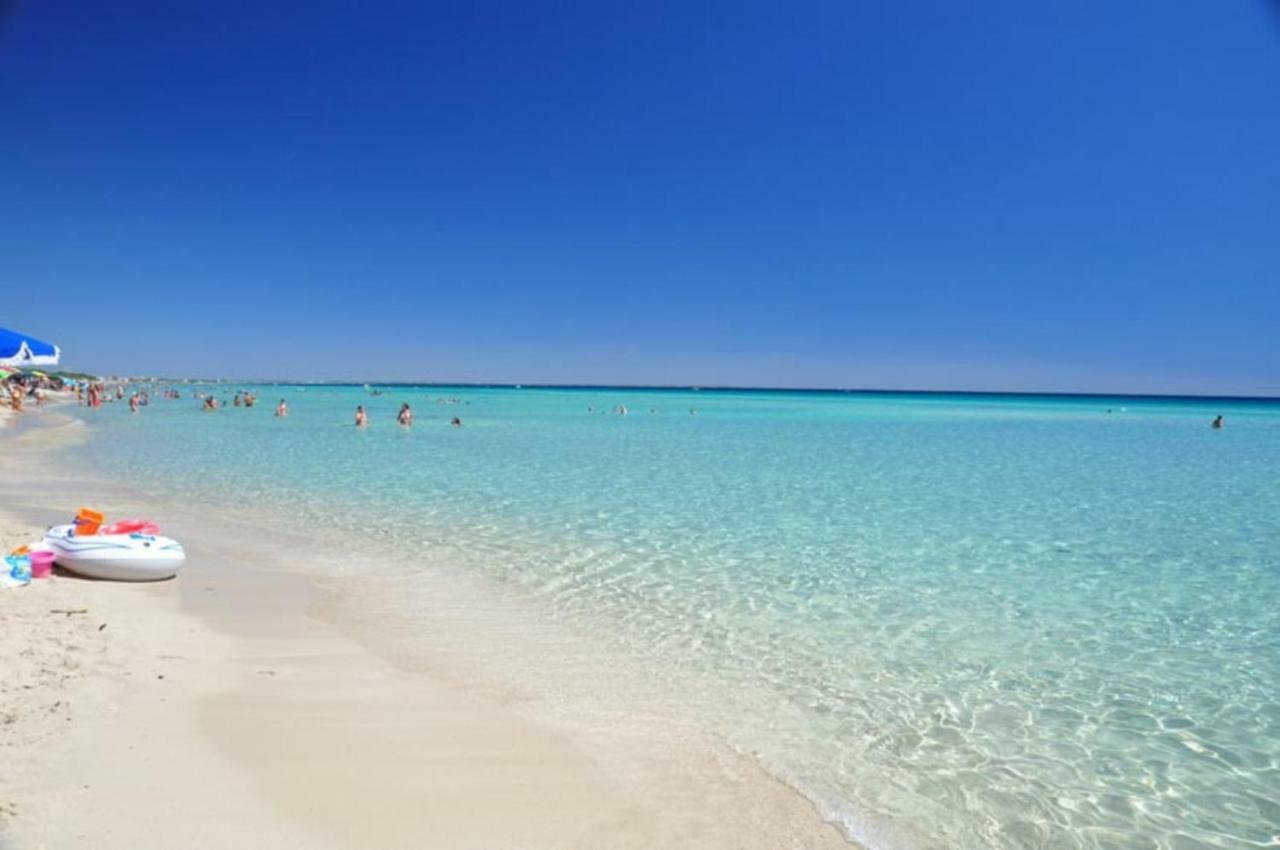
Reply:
x=1002, y=195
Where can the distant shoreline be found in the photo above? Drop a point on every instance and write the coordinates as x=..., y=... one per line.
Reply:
x=723, y=389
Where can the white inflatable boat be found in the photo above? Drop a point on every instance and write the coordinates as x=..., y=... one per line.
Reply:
x=120, y=557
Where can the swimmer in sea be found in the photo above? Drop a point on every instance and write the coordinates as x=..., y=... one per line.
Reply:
x=362, y=418
x=405, y=416
x=457, y=423
x=1217, y=423
x=282, y=409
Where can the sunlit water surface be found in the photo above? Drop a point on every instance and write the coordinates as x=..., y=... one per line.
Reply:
x=960, y=621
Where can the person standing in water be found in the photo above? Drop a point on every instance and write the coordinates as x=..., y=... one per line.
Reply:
x=133, y=403
x=1217, y=423
x=282, y=409
x=362, y=418
x=405, y=416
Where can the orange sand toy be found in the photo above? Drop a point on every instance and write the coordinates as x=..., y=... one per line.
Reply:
x=87, y=522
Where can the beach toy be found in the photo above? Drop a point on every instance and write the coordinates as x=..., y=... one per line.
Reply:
x=130, y=526
x=120, y=557
x=19, y=568
x=41, y=563
x=87, y=522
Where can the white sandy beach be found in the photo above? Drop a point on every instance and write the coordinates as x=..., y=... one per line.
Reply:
x=224, y=709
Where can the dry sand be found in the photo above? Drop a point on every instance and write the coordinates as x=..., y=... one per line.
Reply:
x=218, y=710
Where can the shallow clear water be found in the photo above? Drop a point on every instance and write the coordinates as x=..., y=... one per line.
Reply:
x=962, y=621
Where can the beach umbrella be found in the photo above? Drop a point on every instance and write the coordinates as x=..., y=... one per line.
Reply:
x=21, y=350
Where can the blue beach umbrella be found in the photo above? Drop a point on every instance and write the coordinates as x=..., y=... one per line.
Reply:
x=20, y=350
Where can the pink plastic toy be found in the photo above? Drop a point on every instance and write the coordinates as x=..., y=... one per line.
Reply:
x=41, y=563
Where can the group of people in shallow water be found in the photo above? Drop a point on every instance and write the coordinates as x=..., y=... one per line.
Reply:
x=95, y=393
x=621, y=410
x=138, y=400
x=404, y=417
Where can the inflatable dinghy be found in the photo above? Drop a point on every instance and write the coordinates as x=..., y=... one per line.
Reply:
x=127, y=555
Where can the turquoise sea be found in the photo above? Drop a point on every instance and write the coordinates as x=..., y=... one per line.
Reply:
x=965, y=621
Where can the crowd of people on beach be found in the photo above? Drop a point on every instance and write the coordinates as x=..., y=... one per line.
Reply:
x=18, y=392
x=18, y=387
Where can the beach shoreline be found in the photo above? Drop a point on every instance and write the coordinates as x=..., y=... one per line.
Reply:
x=249, y=682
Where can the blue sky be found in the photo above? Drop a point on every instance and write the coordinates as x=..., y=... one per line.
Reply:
x=1005, y=195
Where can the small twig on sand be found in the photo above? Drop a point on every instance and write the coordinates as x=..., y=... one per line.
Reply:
x=68, y=611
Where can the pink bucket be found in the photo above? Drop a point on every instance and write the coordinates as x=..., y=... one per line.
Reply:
x=41, y=564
